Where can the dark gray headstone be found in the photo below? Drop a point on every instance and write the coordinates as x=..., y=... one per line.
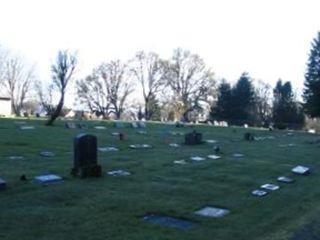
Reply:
x=85, y=156
x=193, y=138
x=3, y=184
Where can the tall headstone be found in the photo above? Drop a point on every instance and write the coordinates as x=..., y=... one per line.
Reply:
x=85, y=162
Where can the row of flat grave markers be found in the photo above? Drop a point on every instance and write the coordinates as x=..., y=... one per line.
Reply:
x=184, y=224
x=266, y=188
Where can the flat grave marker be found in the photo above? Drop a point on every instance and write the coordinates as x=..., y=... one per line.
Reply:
x=214, y=212
x=100, y=127
x=270, y=187
x=108, y=149
x=284, y=179
x=214, y=157
x=174, y=145
x=259, y=193
x=16, y=157
x=181, y=162
x=301, y=170
x=168, y=221
x=27, y=127
x=47, y=154
x=197, y=158
x=140, y=146
x=47, y=179
x=116, y=173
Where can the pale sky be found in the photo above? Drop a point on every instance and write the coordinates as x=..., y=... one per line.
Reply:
x=270, y=39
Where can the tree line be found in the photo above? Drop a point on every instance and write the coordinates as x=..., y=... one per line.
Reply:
x=178, y=88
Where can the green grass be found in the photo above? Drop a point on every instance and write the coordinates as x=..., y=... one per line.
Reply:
x=112, y=207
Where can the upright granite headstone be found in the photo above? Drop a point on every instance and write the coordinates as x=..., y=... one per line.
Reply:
x=193, y=138
x=85, y=157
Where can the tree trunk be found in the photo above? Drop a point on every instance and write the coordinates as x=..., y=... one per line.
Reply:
x=56, y=112
x=146, y=109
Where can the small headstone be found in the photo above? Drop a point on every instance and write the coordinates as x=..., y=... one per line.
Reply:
x=217, y=150
x=23, y=177
x=168, y=221
x=271, y=187
x=301, y=170
x=108, y=149
x=122, y=136
x=248, y=136
x=46, y=179
x=214, y=157
x=193, y=138
x=142, y=132
x=85, y=157
x=81, y=125
x=174, y=145
x=70, y=125
x=47, y=154
x=259, y=193
x=141, y=125
x=285, y=179
x=116, y=173
x=313, y=131
x=3, y=184
x=179, y=124
x=134, y=125
x=197, y=158
x=26, y=127
x=212, y=212
x=181, y=162
x=119, y=125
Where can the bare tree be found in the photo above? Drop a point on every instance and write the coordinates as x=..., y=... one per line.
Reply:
x=3, y=57
x=105, y=91
x=92, y=93
x=62, y=72
x=190, y=81
x=263, y=101
x=118, y=87
x=149, y=70
x=17, y=78
x=45, y=97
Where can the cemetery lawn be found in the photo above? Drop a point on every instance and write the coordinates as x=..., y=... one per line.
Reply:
x=113, y=207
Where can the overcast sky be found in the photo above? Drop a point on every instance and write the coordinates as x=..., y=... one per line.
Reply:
x=270, y=39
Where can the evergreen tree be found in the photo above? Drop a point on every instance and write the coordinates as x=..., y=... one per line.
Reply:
x=285, y=108
x=311, y=94
x=223, y=109
x=243, y=96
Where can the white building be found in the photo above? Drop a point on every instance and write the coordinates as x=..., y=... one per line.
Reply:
x=5, y=106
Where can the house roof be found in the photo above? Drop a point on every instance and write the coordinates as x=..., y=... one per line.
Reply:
x=5, y=98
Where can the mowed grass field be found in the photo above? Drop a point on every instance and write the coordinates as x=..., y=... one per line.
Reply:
x=113, y=207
